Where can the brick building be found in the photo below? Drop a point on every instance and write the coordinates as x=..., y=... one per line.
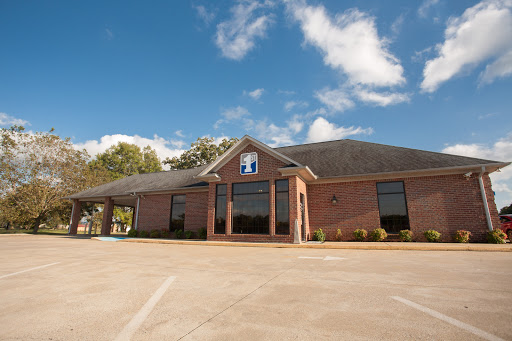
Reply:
x=257, y=193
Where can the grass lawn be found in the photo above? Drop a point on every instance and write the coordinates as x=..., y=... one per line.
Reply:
x=40, y=231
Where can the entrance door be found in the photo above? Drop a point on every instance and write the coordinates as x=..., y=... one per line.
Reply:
x=303, y=216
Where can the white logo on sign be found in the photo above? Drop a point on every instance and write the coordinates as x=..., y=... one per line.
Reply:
x=249, y=163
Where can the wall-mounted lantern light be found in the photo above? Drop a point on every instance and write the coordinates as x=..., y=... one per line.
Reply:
x=334, y=200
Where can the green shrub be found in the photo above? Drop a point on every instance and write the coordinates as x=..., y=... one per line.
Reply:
x=202, y=233
x=405, y=235
x=154, y=234
x=462, y=236
x=496, y=237
x=360, y=234
x=143, y=234
x=178, y=234
x=132, y=233
x=164, y=233
x=432, y=236
x=378, y=235
x=189, y=234
x=339, y=236
x=319, y=235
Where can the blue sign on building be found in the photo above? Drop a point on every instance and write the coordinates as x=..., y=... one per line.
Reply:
x=249, y=163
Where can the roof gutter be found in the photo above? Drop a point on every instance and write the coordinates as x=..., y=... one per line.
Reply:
x=484, y=199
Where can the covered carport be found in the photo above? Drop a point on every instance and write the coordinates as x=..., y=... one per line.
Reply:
x=108, y=202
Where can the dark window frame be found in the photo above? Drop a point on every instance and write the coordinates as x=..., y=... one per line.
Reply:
x=405, y=202
x=275, y=204
x=225, y=196
x=172, y=208
x=233, y=205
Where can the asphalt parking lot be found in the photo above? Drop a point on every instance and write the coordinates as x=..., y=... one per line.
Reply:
x=60, y=288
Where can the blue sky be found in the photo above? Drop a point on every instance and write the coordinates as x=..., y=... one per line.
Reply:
x=433, y=74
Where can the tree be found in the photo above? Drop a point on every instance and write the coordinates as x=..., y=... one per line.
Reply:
x=36, y=171
x=201, y=152
x=506, y=209
x=125, y=159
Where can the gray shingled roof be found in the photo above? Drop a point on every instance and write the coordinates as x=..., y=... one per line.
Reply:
x=350, y=157
x=145, y=182
x=325, y=159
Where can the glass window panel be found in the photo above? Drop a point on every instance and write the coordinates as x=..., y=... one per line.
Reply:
x=251, y=212
x=177, y=215
x=220, y=215
x=390, y=187
x=392, y=206
x=282, y=213
x=221, y=189
x=282, y=185
x=178, y=199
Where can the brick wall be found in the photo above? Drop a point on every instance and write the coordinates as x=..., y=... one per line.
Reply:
x=444, y=203
x=230, y=173
x=155, y=211
x=196, y=211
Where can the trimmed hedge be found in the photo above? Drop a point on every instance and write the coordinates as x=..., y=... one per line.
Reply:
x=405, y=235
x=378, y=235
x=432, y=236
x=360, y=234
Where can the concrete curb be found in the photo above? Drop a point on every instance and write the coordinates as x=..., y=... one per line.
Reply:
x=337, y=245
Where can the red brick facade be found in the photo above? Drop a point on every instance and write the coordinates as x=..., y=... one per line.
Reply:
x=155, y=211
x=445, y=203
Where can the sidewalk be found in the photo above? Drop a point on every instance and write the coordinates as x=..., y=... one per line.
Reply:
x=335, y=245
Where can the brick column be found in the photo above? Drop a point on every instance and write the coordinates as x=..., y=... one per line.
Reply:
x=272, y=211
x=75, y=217
x=294, y=204
x=108, y=210
x=229, y=207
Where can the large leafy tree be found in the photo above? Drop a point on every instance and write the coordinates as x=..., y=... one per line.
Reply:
x=506, y=209
x=122, y=160
x=201, y=152
x=125, y=159
x=36, y=171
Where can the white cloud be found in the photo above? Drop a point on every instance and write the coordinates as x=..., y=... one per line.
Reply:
x=323, y=130
x=255, y=94
x=482, y=32
x=396, y=26
x=205, y=15
x=502, y=67
x=295, y=104
x=286, y=92
x=232, y=114
x=163, y=147
x=499, y=151
x=179, y=133
x=236, y=36
x=109, y=34
x=8, y=120
x=381, y=99
x=277, y=136
x=349, y=43
x=425, y=6
x=335, y=100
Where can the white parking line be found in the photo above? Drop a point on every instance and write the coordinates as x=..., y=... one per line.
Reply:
x=144, y=312
x=448, y=319
x=20, y=272
x=322, y=258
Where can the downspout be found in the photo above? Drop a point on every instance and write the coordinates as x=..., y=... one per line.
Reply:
x=484, y=199
x=71, y=219
x=137, y=213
